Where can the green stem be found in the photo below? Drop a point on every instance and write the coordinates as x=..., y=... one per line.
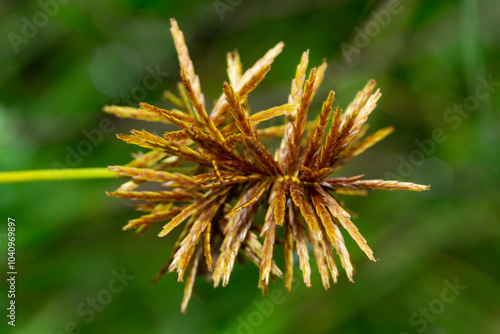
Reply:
x=55, y=174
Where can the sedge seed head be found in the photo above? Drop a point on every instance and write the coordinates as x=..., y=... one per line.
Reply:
x=215, y=172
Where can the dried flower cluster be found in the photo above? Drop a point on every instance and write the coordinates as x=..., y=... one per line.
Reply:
x=228, y=174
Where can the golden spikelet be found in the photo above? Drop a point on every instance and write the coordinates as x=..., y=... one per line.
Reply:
x=216, y=172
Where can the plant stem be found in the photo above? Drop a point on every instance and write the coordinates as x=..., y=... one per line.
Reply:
x=55, y=174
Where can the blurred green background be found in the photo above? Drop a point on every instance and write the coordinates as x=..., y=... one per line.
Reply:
x=60, y=62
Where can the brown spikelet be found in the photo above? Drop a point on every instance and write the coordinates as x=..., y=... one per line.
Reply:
x=199, y=108
x=235, y=233
x=239, y=114
x=191, y=209
x=253, y=249
x=188, y=289
x=271, y=113
x=247, y=82
x=158, y=214
x=301, y=240
x=267, y=252
x=234, y=199
x=331, y=141
x=176, y=117
x=136, y=113
x=319, y=131
x=146, y=174
x=185, y=60
x=186, y=248
x=297, y=127
x=298, y=81
x=154, y=196
x=234, y=69
x=251, y=141
x=389, y=185
x=178, y=137
x=320, y=75
x=251, y=201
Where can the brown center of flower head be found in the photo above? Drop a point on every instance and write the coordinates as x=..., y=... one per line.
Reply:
x=227, y=174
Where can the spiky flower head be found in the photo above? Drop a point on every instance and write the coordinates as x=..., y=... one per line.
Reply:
x=227, y=174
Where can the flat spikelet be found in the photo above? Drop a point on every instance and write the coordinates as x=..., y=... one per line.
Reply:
x=214, y=173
